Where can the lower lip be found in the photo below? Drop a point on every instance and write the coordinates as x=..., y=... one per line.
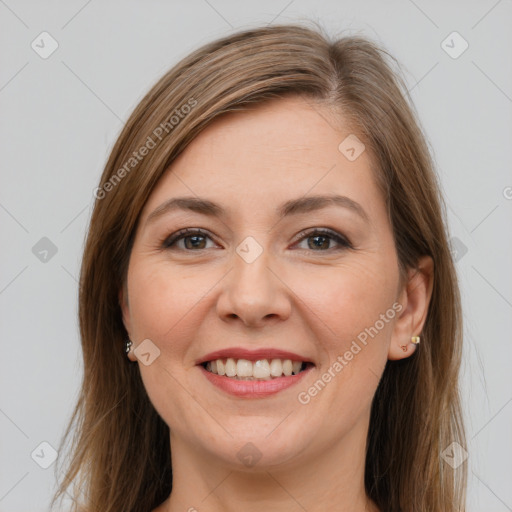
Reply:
x=253, y=388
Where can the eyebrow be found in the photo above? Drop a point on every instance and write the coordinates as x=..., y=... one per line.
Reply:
x=292, y=207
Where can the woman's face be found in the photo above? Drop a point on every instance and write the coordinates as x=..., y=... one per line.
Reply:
x=259, y=287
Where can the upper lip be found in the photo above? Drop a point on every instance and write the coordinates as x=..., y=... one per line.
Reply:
x=252, y=355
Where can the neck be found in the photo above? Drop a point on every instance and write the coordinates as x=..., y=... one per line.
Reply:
x=332, y=480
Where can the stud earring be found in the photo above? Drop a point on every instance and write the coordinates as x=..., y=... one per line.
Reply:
x=415, y=339
x=127, y=346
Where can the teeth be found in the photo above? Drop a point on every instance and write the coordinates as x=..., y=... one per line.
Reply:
x=261, y=369
x=243, y=369
x=276, y=368
x=230, y=367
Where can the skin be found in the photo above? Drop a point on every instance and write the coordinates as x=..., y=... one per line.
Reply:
x=296, y=296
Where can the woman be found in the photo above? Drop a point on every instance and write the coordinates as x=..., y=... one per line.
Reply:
x=269, y=311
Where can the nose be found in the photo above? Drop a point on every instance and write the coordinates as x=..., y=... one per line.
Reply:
x=254, y=293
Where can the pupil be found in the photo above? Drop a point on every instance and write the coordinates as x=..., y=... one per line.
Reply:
x=195, y=239
x=321, y=238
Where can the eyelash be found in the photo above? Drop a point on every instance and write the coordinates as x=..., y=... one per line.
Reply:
x=304, y=235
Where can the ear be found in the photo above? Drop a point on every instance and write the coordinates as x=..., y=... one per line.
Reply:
x=125, y=310
x=415, y=299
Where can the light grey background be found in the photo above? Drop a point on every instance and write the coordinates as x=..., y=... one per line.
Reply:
x=61, y=115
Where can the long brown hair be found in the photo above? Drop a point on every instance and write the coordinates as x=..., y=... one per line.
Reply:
x=120, y=453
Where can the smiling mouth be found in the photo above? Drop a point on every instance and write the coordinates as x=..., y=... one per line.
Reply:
x=259, y=370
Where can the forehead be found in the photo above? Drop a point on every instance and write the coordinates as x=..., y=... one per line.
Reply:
x=280, y=150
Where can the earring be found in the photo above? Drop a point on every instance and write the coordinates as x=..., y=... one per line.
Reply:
x=415, y=339
x=127, y=346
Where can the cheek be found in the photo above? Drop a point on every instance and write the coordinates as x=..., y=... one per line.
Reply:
x=161, y=298
x=352, y=311
x=348, y=299
x=342, y=301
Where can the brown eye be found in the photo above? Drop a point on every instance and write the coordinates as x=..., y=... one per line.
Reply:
x=193, y=239
x=321, y=240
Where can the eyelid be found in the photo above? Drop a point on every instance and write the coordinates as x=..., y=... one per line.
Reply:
x=342, y=241
x=182, y=233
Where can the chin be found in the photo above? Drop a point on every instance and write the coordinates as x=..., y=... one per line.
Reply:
x=256, y=443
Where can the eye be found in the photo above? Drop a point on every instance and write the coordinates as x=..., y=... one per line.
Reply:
x=319, y=240
x=193, y=238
